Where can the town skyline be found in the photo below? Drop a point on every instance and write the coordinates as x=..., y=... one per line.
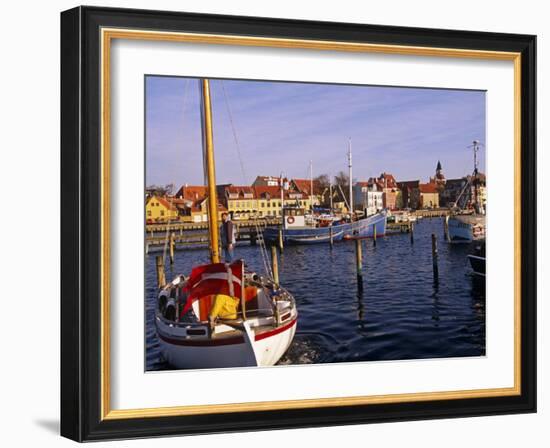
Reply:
x=402, y=131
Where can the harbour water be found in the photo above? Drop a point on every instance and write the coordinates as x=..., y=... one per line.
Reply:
x=401, y=313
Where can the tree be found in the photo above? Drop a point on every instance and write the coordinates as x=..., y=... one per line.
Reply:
x=159, y=190
x=322, y=184
x=342, y=180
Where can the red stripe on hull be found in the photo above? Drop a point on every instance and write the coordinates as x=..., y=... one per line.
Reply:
x=226, y=341
x=270, y=333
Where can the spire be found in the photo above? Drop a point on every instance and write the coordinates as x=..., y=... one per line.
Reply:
x=438, y=168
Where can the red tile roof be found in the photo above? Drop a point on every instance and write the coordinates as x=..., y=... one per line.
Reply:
x=428, y=188
x=304, y=185
x=167, y=203
x=275, y=192
x=191, y=192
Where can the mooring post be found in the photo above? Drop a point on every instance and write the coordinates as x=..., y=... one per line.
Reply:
x=253, y=237
x=446, y=228
x=161, y=278
x=331, y=236
x=172, y=244
x=275, y=265
x=374, y=235
x=434, y=257
x=411, y=231
x=281, y=242
x=359, y=263
x=146, y=248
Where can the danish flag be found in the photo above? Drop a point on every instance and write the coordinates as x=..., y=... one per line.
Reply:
x=216, y=278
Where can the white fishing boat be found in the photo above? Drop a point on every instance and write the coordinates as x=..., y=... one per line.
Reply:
x=466, y=226
x=264, y=323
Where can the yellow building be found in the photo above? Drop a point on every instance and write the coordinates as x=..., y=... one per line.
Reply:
x=160, y=209
x=241, y=202
x=429, y=195
x=269, y=203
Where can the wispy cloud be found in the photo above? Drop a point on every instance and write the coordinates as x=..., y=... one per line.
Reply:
x=282, y=126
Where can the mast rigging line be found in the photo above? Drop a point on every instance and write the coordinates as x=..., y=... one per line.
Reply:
x=167, y=235
x=259, y=232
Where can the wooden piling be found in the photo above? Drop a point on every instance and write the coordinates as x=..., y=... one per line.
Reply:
x=331, y=236
x=411, y=231
x=253, y=238
x=359, y=263
x=281, y=241
x=161, y=277
x=446, y=228
x=146, y=248
x=435, y=257
x=374, y=235
x=275, y=265
x=172, y=244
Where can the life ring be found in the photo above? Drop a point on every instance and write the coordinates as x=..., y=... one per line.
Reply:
x=290, y=220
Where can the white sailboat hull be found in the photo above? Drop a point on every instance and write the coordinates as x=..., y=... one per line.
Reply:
x=266, y=349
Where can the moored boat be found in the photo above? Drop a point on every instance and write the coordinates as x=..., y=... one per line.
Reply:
x=477, y=258
x=464, y=228
x=261, y=323
x=295, y=231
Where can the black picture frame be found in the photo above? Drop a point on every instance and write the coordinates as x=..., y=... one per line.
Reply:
x=81, y=224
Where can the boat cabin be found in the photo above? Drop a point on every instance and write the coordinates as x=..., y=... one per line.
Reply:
x=293, y=217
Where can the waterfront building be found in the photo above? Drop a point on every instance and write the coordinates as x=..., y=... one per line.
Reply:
x=269, y=204
x=268, y=181
x=390, y=189
x=191, y=193
x=368, y=196
x=410, y=193
x=449, y=195
x=429, y=195
x=160, y=209
x=241, y=202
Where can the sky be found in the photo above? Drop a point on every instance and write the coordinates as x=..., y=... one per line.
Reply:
x=274, y=128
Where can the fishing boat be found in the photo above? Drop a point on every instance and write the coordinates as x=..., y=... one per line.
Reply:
x=296, y=229
x=466, y=228
x=477, y=258
x=264, y=324
x=466, y=225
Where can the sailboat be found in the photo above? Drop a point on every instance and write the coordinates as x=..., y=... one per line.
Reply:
x=466, y=226
x=264, y=325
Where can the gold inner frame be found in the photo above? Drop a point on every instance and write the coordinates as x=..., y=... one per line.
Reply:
x=107, y=35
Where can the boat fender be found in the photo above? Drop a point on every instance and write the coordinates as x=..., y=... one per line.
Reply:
x=290, y=220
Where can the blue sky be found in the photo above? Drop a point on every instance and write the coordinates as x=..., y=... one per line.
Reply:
x=281, y=126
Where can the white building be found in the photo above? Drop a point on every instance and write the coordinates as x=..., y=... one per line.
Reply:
x=368, y=197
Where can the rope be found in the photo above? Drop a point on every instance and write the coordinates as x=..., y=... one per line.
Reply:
x=259, y=232
x=167, y=235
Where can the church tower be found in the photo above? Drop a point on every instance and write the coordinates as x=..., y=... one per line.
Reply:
x=439, y=176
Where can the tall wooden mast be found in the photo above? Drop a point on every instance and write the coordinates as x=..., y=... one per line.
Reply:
x=210, y=170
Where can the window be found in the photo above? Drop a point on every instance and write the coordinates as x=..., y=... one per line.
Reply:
x=162, y=213
x=148, y=212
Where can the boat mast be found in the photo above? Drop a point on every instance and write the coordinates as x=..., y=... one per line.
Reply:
x=281, y=181
x=311, y=184
x=210, y=169
x=350, y=179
